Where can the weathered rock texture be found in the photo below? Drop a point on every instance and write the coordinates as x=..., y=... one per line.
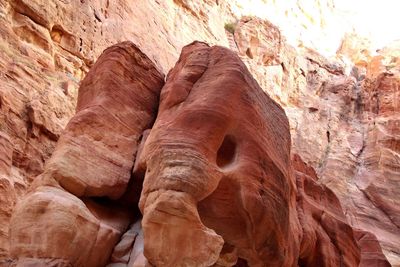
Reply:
x=218, y=189
x=68, y=217
x=343, y=117
x=203, y=151
x=328, y=240
x=209, y=168
x=47, y=48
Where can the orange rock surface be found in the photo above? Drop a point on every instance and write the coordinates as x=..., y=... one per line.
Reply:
x=70, y=205
x=203, y=151
x=218, y=189
x=343, y=112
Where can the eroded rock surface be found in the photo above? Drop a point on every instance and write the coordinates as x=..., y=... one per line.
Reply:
x=205, y=152
x=328, y=239
x=71, y=204
x=212, y=147
x=219, y=189
x=343, y=118
x=47, y=48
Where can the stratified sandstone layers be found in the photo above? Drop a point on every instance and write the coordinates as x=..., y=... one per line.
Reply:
x=343, y=117
x=214, y=146
x=328, y=240
x=47, y=47
x=378, y=175
x=68, y=217
x=219, y=185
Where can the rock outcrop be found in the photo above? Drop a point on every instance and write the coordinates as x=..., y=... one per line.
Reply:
x=328, y=240
x=377, y=178
x=204, y=151
x=343, y=112
x=343, y=118
x=69, y=216
x=218, y=189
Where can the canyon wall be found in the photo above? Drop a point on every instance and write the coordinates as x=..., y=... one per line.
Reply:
x=343, y=113
x=214, y=188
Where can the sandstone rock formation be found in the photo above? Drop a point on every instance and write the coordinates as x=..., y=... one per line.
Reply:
x=204, y=151
x=47, y=48
x=328, y=240
x=218, y=189
x=335, y=124
x=326, y=235
x=378, y=175
x=68, y=217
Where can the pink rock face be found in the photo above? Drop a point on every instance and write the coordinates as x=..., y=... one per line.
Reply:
x=379, y=177
x=117, y=101
x=343, y=116
x=216, y=188
x=371, y=251
x=47, y=47
x=327, y=238
x=7, y=191
x=219, y=185
x=68, y=217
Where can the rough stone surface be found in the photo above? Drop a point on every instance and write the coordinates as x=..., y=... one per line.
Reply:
x=76, y=222
x=218, y=189
x=378, y=173
x=371, y=252
x=328, y=239
x=203, y=151
x=47, y=48
x=343, y=117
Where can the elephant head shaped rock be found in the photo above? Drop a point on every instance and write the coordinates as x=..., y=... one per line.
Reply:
x=218, y=157
x=219, y=185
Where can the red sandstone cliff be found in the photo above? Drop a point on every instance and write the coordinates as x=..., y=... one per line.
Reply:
x=216, y=189
x=343, y=119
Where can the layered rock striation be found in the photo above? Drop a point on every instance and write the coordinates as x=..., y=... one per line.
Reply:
x=69, y=216
x=203, y=152
x=217, y=189
x=342, y=112
x=343, y=115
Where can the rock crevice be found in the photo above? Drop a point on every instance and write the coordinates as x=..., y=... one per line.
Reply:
x=218, y=189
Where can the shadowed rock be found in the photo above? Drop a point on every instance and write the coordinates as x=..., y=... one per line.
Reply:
x=218, y=182
x=67, y=217
x=220, y=187
x=327, y=238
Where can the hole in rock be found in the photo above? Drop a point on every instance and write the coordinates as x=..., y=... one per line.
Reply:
x=241, y=263
x=283, y=67
x=226, y=152
x=57, y=33
x=248, y=53
x=80, y=44
x=302, y=263
x=105, y=201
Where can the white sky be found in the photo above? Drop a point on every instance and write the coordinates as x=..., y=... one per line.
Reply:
x=379, y=20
